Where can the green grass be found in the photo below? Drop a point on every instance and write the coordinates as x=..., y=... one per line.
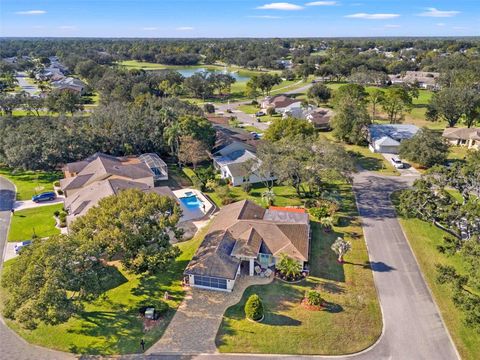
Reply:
x=352, y=321
x=111, y=325
x=284, y=195
x=424, y=239
x=458, y=152
x=39, y=221
x=29, y=183
x=371, y=161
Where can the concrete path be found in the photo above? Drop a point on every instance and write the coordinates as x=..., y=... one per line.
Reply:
x=25, y=85
x=13, y=347
x=196, y=322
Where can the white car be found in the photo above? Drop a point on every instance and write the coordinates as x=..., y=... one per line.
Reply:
x=397, y=163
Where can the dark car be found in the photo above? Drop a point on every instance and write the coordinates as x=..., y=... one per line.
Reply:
x=18, y=247
x=45, y=196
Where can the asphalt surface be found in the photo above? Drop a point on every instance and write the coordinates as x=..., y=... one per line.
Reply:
x=413, y=328
x=22, y=82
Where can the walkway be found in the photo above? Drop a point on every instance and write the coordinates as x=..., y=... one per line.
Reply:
x=196, y=322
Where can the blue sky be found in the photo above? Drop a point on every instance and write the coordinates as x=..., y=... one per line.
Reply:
x=238, y=18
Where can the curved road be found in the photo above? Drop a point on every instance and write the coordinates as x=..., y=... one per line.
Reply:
x=413, y=328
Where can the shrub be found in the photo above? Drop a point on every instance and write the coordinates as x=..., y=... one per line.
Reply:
x=56, y=183
x=254, y=308
x=254, y=102
x=224, y=194
x=209, y=108
x=313, y=298
x=271, y=111
x=56, y=213
x=211, y=184
x=60, y=192
x=62, y=216
x=318, y=212
x=247, y=187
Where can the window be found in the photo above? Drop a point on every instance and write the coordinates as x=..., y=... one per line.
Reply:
x=212, y=282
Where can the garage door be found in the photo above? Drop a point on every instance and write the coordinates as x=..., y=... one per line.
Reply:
x=212, y=282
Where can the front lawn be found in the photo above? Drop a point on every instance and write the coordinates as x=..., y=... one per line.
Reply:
x=39, y=221
x=424, y=239
x=111, y=325
x=29, y=183
x=352, y=321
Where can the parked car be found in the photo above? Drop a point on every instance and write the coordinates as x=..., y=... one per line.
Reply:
x=45, y=196
x=18, y=247
x=254, y=134
x=397, y=163
x=260, y=113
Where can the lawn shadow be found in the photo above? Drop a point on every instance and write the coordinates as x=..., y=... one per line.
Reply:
x=332, y=288
x=276, y=319
x=332, y=307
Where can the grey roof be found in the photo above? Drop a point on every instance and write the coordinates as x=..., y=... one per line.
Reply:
x=226, y=135
x=462, y=133
x=386, y=141
x=397, y=132
x=241, y=229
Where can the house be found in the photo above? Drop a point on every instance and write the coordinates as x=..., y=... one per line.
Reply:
x=278, y=102
x=296, y=110
x=425, y=80
x=50, y=73
x=469, y=137
x=69, y=84
x=244, y=235
x=386, y=138
x=86, y=182
x=320, y=118
x=233, y=162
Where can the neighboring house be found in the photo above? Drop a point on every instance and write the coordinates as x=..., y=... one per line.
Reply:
x=296, y=110
x=278, y=102
x=69, y=84
x=87, y=182
x=232, y=161
x=469, y=137
x=425, y=80
x=386, y=138
x=245, y=235
x=320, y=118
x=52, y=74
x=225, y=135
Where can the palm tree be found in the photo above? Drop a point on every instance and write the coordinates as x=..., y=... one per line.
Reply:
x=341, y=247
x=172, y=137
x=288, y=266
x=327, y=223
x=268, y=196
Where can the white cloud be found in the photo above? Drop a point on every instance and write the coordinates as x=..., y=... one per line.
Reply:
x=264, y=17
x=392, y=26
x=432, y=12
x=31, y=12
x=321, y=3
x=150, y=28
x=372, y=16
x=280, y=6
x=184, y=28
x=440, y=24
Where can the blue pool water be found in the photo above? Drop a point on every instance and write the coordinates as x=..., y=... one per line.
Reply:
x=191, y=202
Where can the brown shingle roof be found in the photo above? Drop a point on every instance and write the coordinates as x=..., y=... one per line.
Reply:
x=462, y=133
x=245, y=226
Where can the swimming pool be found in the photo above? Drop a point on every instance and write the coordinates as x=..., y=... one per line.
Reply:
x=191, y=201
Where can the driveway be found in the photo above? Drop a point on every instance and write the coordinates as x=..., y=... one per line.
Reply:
x=408, y=169
x=25, y=85
x=196, y=322
x=28, y=204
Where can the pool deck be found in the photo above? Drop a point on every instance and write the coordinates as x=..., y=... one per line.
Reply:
x=189, y=213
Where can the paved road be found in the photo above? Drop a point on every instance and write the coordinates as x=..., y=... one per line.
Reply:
x=413, y=329
x=22, y=82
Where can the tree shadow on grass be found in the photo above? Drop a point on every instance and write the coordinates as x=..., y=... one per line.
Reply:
x=276, y=319
x=332, y=307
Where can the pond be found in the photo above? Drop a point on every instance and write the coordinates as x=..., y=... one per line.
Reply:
x=189, y=71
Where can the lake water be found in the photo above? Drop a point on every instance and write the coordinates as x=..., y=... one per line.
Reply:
x=187, y=72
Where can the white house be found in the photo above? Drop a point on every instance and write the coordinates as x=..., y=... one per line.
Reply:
x=468, y=137
x=232, y=162
x=386, y=138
